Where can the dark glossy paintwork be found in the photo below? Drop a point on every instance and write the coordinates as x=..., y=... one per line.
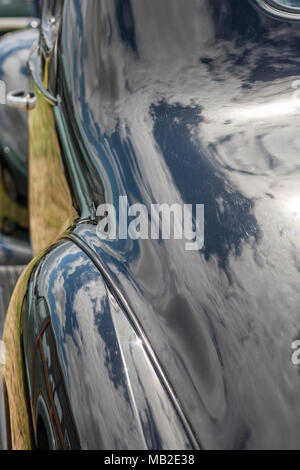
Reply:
x=169, y=102
x=18, y=14
x=191, y=102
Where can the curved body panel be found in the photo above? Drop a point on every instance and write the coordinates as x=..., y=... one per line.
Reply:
x=89, y=377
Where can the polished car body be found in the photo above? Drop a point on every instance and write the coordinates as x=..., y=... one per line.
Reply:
x=18, y=14
x=131, y=344
x=14, y=219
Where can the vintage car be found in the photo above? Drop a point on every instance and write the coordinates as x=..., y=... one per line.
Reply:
x=18, y=14
x=137, y=343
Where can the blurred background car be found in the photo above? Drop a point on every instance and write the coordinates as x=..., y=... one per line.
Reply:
x=15, y=249
x=18, y=14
